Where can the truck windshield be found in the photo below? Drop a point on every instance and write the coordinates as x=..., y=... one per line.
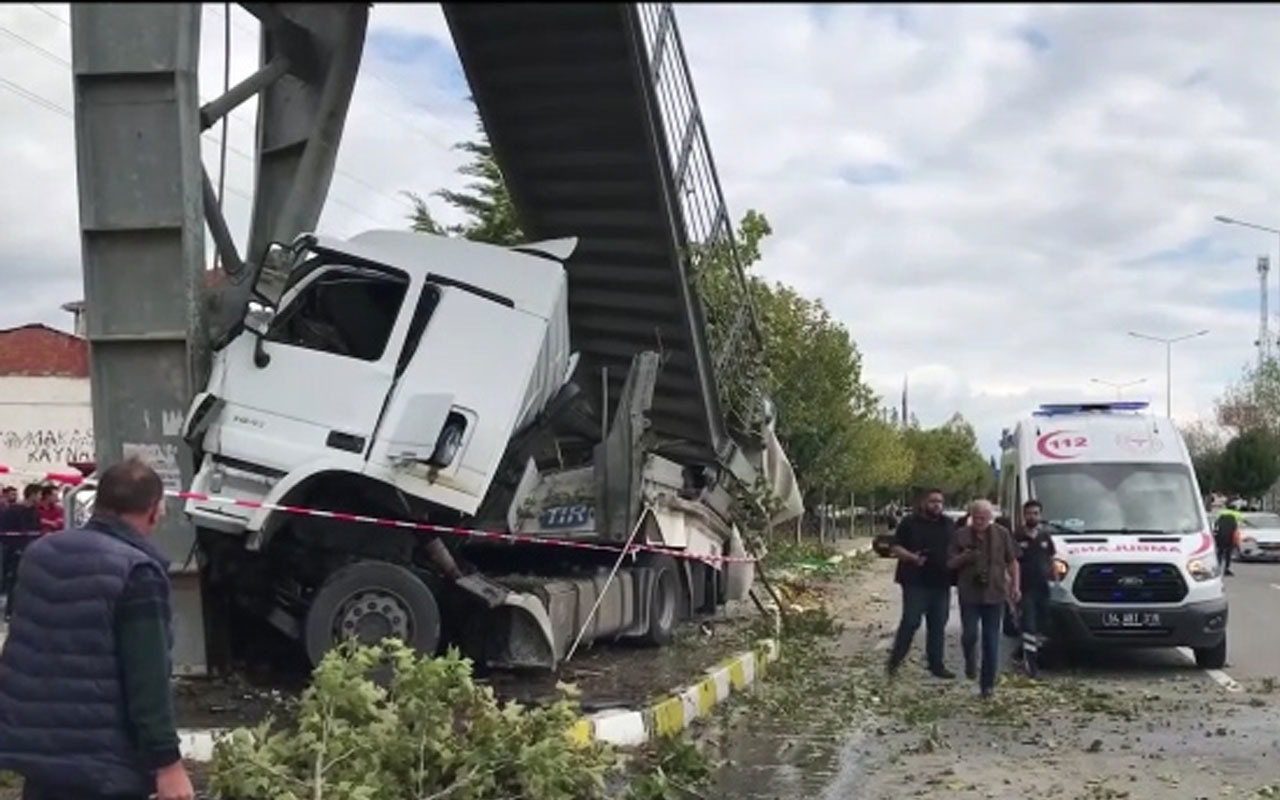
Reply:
x=1118, y=498
x=348, y=309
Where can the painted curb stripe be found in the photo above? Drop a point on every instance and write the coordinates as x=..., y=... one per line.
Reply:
x=621, y=728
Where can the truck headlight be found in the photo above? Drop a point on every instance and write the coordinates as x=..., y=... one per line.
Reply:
x=1197, y=569
x=1060, y=569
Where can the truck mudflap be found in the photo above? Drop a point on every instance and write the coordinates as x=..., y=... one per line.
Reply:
x=532, y=622
x=517, y=632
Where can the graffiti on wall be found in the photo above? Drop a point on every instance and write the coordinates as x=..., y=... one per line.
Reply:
x=49, y=446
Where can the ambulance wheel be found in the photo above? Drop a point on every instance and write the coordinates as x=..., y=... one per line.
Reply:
x=370, y=601
x=1212, y=657
x=664, y=602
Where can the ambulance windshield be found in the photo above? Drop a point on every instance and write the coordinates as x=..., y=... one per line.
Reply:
x=1118, y=498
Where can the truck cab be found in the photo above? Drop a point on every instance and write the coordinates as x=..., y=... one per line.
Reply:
x=418, y=390
x=1136, y=564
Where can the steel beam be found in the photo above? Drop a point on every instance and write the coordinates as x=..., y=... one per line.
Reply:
x=301, y=116
x=137, y=118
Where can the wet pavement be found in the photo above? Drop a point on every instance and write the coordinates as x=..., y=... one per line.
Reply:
x=1126, y=724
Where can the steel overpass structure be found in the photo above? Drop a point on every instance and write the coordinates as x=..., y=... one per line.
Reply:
x=592, y=115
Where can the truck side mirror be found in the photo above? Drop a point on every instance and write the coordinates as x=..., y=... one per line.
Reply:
x=258, y=318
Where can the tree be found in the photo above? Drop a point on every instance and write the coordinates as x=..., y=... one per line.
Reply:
x=829, y=420
x=947, y=458
x=1250, y=464
x=491, y=216
x=1253, y=403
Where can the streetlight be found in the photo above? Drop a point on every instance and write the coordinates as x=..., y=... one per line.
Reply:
x=1168, y=363
x=1119, y=387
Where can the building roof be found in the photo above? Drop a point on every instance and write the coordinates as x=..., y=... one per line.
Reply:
x=37, y=350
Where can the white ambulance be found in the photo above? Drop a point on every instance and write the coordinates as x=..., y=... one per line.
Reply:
x=1136, y=564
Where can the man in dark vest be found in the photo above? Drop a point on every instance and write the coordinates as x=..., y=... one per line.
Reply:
x=86, y=709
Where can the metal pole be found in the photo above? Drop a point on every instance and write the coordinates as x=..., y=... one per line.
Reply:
x=1168, y=379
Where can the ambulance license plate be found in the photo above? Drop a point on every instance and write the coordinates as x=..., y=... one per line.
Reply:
x=1130, y=619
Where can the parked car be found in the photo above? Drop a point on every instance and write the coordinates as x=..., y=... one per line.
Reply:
x=1259, y=536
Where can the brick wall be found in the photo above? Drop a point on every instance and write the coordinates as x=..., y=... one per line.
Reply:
x=38, y=350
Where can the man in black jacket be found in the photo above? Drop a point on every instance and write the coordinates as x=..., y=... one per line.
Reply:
x=920, y=544
x=86, y=710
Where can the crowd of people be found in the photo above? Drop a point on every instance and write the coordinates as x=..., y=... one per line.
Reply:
x=995, y=571
x=38, y=511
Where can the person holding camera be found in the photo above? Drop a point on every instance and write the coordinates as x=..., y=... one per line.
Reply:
x=986, y=558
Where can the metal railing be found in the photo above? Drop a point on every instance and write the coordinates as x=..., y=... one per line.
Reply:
x=707, y=225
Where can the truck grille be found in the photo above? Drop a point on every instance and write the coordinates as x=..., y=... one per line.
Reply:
x=1129, y=583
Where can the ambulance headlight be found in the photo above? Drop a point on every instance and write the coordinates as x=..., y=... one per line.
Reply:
x=1197, y=570
x=1060, y=569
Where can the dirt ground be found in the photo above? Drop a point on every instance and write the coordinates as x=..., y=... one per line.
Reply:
x=1122, y=726
x=608, y=674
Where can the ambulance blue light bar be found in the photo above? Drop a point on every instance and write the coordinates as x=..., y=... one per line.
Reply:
x=1059, y=409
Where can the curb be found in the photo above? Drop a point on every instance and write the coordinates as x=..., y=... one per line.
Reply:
x=621, y=727
x=678, y=710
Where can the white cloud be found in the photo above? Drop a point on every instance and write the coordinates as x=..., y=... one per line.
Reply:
x=1030, y=164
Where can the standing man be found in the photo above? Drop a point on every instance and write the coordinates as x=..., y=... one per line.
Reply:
x=86, y=710
x=1035, y=568
x=1225, y=529
x=987, y=560
x=921, y=544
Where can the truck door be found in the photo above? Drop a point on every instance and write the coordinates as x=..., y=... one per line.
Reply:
x=313, y=386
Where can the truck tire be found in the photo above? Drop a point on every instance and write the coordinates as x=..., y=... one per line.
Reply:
x=664, y=602
x=372, y=600
x=1212, y=657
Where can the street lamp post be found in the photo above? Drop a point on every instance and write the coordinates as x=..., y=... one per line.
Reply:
x=1256, y=227
x=1119, y=387
x=1168, y=362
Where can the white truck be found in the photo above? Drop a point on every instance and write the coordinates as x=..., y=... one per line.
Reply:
x=425, y=378
x=1136, y=563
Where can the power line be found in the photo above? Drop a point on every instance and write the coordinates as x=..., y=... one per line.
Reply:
x=49, y=13
x=23, y=40
x=39, y=100
x=229, y=18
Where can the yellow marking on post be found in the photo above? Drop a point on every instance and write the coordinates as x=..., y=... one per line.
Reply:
x=668, y=717
x=706, y=695
x=737, y=674
x=580, y=733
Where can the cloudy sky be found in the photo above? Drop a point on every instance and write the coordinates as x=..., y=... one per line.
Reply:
x=989, y=197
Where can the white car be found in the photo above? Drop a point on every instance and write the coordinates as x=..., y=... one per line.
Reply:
x=1259, y=536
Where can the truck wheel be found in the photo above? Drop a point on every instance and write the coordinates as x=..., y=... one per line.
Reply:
x=372, y=601
x=1212, y=657
x=664, y=602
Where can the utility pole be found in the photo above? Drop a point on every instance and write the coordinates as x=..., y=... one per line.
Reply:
x=1168, y=362
x=1264, y=335
x=1265, y=229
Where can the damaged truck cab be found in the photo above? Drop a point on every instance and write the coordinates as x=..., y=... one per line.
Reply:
x=412, y=378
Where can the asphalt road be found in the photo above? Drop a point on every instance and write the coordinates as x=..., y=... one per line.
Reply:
x=1200, y=733
x=1253, y=636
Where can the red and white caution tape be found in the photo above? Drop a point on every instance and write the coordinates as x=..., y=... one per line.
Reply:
x=425, y=527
